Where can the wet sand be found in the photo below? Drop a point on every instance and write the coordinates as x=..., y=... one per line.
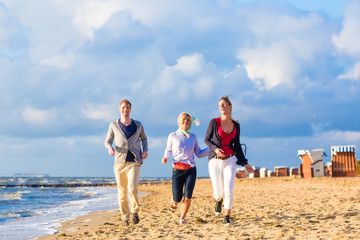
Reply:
x=264, y=208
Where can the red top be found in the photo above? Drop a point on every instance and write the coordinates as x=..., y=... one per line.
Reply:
x=225, y=138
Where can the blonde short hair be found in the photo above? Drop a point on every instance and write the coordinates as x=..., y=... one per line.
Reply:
x=182, y=114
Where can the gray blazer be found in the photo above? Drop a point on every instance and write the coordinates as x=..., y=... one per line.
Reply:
x=123, y=144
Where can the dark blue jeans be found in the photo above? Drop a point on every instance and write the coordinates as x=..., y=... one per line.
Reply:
x=183, y=183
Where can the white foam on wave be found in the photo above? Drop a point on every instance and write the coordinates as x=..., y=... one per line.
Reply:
x=45, y=221
x=9, y=215
x=12, y=196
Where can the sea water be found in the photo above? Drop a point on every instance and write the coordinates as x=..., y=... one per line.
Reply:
x=29, y=210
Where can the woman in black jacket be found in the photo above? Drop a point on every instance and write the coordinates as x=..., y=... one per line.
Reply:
x=223, y=138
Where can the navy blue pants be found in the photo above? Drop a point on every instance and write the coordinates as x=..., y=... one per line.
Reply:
x=183, y=183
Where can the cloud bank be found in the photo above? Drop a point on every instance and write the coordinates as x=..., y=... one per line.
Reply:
x=293, y=75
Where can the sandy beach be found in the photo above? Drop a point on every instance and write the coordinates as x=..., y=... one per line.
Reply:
x=264, y=208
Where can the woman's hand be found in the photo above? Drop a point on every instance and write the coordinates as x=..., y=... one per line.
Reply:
x=219, y=152
x=249, y=168
x=164, y=160
x=144, y=155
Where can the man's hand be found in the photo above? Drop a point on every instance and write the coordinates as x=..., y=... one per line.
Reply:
x=111, y=151
x=164, y=160
x=144, y=155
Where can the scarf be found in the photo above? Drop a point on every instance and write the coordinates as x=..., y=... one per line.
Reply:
x=187, y=132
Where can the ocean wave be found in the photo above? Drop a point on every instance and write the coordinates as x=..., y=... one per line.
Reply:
x=46, y=210
x=7, y=180
x=87, y=194
x=9, y=215
x=13, y=196
x=16, y=214
x=56, y=181
x=82, y=192
x=75, y=190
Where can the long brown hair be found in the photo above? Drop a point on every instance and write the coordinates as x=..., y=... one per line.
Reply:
x=227, y=100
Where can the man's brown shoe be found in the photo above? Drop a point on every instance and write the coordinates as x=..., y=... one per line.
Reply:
x=134, y=217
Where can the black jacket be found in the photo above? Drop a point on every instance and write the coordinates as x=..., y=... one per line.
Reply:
x=212, y=139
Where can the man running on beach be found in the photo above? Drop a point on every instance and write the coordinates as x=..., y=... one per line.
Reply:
x=129, y=155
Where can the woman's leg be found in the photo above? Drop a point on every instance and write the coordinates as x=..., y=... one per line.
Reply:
x=185, y=206
x=178, y=180
x=229, y=180
x=188, y=191
x=227, y=212
x=216, y=176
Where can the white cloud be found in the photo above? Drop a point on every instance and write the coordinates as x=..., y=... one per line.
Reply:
x=269, y=66
x=57, y=27
x=348, y=39
x=204, y=85
x=159, y=13
x=157, y=142
x=339, y=137
x=38, y=116
x=165, y=81
x=99, y=112
x=190, y=76
x=93, y=14
x=61, y=61
x=82, y=57
x=281, y=45
x=190, y=65
x=48, y=28
x=353, y=74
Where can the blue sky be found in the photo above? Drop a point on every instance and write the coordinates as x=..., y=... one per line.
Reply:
x=292, y=69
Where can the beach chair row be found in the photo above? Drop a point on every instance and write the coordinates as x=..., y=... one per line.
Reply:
x=343, y=164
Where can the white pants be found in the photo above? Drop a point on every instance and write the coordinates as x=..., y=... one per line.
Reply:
x=222, y=175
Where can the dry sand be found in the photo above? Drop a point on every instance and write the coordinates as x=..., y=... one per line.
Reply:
x=270, y=208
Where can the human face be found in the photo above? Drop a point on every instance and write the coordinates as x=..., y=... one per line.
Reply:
x=184, y=122
x=224, y=107
x=125, y=109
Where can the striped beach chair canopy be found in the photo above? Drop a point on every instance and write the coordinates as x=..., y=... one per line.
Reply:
x=336, y=149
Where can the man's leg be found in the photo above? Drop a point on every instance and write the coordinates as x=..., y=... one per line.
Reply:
x=133, y=181
x=121, y=182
